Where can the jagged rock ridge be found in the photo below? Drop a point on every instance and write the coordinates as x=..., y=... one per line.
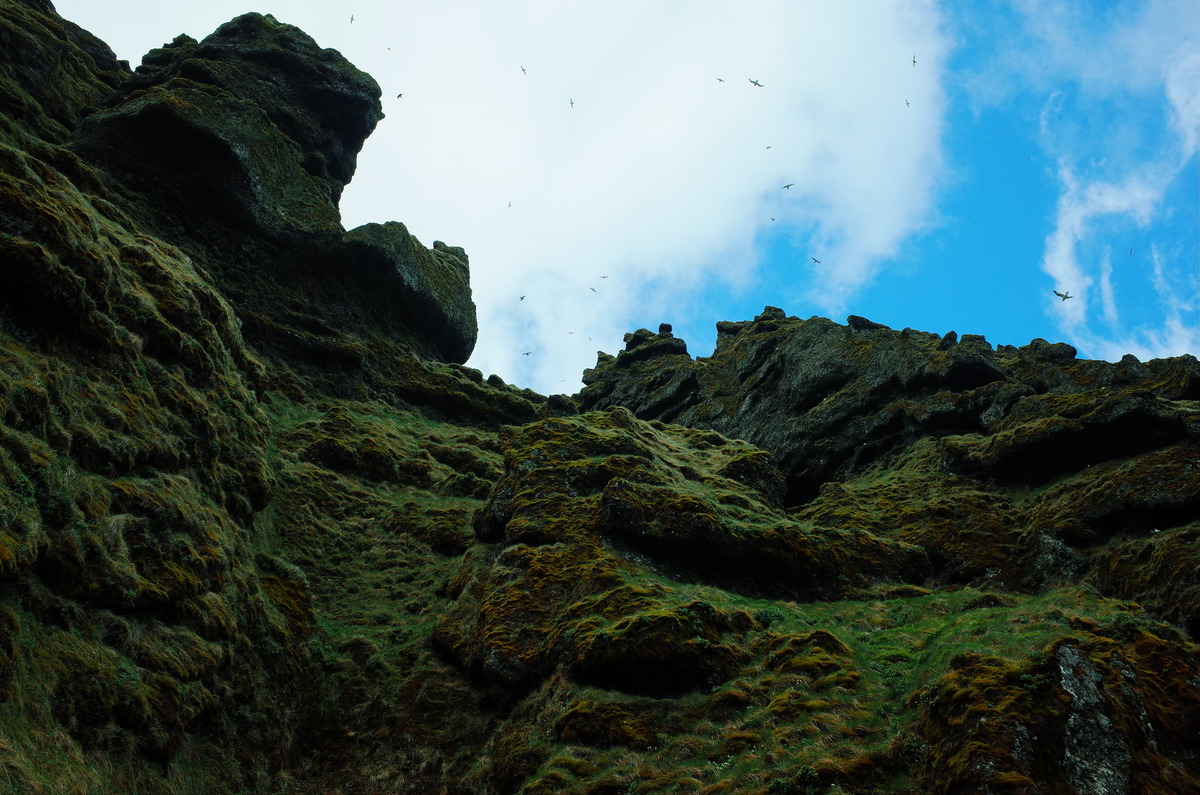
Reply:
x=260, y=530
x=1072, y=462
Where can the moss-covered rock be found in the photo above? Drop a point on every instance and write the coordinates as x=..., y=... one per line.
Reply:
x=154, y=630
x=310, y=94
x=1011, y=466
x=256, y=129
x=827, y=400
x=52, y=73
x=1083, y=716
x=261, y=530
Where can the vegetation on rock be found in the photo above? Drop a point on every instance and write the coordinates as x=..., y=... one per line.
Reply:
x=262, y=531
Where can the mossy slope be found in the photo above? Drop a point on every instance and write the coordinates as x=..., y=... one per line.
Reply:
x=672, y=643
x=1062, y=470
x=154, y=635
x=261, y=531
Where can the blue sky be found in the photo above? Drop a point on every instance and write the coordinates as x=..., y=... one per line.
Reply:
x=1036, y=145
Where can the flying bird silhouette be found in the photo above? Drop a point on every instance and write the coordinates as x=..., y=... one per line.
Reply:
x=523, y=71
x=593, y=289
x=788, y=186
x=572, y=103
x=1064, y=296
x=720, y=80
x=522, y=298
x=906, y=104
x=526, y=353
x=914, y=60
x=814, y=259
x=755, y=83
x=351, y=19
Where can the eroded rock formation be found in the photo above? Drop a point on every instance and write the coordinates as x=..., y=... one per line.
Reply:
x=260, y=530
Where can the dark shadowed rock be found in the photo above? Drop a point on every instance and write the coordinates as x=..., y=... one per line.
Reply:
x=583, y=496
x=52, y=73
x=312, y=95
x=426, y=290
x=828, y=400
x=191, y=144
x=256, y=129
x=262, y=531
x=823, y=398
x=256, y=118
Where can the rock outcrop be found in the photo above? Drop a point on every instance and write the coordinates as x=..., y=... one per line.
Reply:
x=174, y=274
x=1071, y=468
x=828, y=399
x=256, y=130
x=588, y=506
x=262, y=531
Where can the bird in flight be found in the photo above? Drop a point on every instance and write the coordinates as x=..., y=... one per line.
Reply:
x=593, y=289
x=526, y=353
x=351, y=19
x=755, y=83
x=906, y=104
x=510, y=205
x=572, y=103
x=522, y=298
x=914, y=60
x=814, y=259
x=1064, y=296
x=603, y=277
x=399, y=96
x=768, y=147
x=523, y=71
x=788, y=186
x=720, y=80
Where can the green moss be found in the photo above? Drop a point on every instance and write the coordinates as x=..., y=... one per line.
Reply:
x=251, y=540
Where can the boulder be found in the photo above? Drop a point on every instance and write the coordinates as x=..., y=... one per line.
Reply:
x=252, y=133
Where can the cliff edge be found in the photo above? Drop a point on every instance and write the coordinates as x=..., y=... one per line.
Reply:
x=262, y=531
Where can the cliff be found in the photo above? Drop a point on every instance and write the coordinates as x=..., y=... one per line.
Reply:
x=262, y=531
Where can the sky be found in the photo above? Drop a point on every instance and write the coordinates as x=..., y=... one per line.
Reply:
x=610, y=165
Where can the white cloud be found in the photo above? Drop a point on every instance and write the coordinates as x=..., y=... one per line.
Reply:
x=1183, y=92
x=1122, y=124
x=1108, y=299
x=659, y=177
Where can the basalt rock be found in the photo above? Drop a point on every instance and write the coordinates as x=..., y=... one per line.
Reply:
x=1086, y=717
x=587, y=502
x=1054, y=460
x=255, y=131
x=828, y=399
x=187, y=94
x=179, y=299
x=262, y=531
x=52, y=73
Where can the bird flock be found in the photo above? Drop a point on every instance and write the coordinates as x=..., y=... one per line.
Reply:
x=753, y=81
x=756, y=83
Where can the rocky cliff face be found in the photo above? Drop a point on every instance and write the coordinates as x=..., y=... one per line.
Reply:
x=1067, y=466
x=260, y=530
